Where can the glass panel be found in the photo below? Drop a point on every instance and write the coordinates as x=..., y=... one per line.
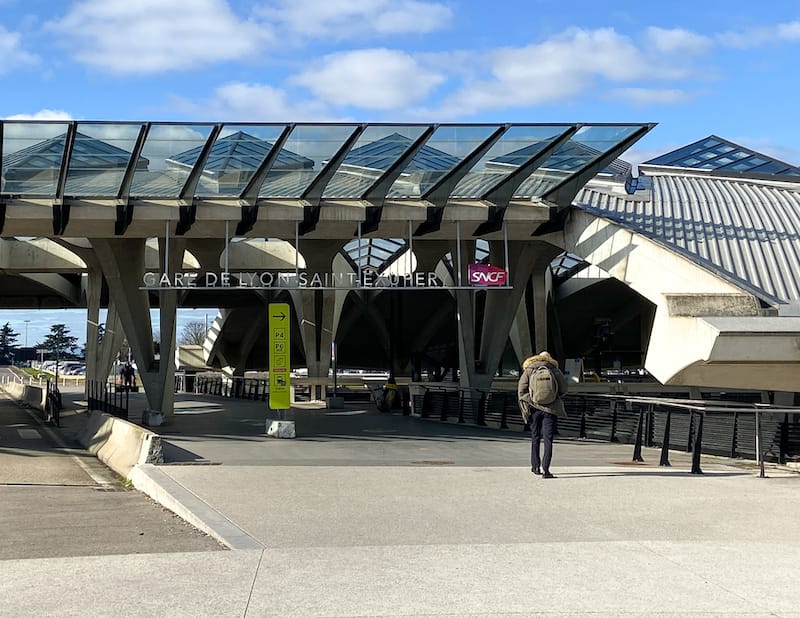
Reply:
x=305, y=153
x=373, y=252
x=586, y=146
x=32, y=156
x=235, y=156
x=100, y=157
x=517, y=146
x=770, y=168
x=446, y=148
x=171, y=151
x=378, y=148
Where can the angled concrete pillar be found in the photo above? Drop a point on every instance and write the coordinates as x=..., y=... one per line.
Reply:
x=123, y=265
x=520, y=334
x=316, y=312
x=100, y=355
x=524, y=259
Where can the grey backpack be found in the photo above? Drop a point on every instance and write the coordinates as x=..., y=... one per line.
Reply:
x=543, y=386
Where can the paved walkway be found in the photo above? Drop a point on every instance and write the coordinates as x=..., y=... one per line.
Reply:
x=369, y=514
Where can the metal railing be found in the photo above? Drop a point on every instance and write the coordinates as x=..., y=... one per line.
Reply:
x=734, y=429
x=53, y=404
x=109, y=397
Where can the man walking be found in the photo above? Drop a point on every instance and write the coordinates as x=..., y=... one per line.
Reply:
x=540, y=391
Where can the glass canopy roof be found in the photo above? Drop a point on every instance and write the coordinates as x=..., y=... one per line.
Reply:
x=251, y=161
x=715, y=153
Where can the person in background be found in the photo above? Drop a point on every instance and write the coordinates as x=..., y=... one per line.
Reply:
x=128, y=375
x=389, y=394
x=543, y=416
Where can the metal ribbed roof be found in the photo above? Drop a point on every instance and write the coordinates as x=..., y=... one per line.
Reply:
x=746, y=230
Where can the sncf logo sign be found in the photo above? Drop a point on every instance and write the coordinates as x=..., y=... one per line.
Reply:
x=484, y=274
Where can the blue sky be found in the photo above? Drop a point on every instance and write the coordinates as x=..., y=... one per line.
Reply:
x=695, y=68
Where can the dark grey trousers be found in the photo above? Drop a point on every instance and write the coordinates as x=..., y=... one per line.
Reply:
x=543, y=428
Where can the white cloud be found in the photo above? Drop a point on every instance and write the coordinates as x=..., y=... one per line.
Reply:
x=370, y=78
x=43, y=114
x=789, y=31
x=651, y=96
x=239, y=101
x=677, y=41
x=764, y=35
x=12, y=56
x=151, y=36
x=341, y=19
x=574, y=62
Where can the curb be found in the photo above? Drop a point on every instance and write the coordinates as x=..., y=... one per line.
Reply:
x=148, y=479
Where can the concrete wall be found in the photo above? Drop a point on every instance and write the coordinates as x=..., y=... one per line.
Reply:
x=34, y=396
x=119, y=444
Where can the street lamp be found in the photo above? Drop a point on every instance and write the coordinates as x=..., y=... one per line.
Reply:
x=26, y=332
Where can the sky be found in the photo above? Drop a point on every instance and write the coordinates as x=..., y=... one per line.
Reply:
x=694, y=68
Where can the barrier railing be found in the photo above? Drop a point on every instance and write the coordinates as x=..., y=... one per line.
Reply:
x=53, y=404
x=108, y=397
x=733, y=429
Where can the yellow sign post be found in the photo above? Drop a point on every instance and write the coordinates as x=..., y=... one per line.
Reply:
x=279, y=357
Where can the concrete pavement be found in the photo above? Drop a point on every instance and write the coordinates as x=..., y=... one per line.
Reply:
x=369, y=514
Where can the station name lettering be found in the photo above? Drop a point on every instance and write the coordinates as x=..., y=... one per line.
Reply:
x=272, y=279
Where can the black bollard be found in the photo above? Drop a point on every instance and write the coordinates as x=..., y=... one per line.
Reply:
x=665, y=445
x=698, y=446
x=637, y=449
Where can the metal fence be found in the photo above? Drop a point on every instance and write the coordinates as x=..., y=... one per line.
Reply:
x=743, y=429
x=108, y=397
x=235, y=387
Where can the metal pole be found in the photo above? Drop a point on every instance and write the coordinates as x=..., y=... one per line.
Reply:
x=297, y=251
x=166, y=248
x=227, y=245
x=759, y=455
x=458, y=251
x=637, y=449
x=505, y=245
x=410, y=244
x=333, y=358
x=665, y=445
x=698, y=446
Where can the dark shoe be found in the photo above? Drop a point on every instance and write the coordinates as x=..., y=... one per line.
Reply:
x=547, y=475
x=536, y=470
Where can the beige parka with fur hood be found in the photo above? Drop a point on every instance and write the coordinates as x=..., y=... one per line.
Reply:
x=523, y=394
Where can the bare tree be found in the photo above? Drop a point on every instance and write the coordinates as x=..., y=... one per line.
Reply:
x=193, y=333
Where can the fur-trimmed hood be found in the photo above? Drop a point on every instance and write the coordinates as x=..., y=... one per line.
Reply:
x=542, y=357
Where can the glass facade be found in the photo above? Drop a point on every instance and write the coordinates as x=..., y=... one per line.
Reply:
x=715, y=153
x=94, y=159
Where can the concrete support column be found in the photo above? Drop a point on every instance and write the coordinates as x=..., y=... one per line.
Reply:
x=520, y=333
x=100, y=355
x=501, y=306
x=123, y=264
x=541, y=290
x=316, y=312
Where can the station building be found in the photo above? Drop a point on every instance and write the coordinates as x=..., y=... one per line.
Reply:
x=430, y=251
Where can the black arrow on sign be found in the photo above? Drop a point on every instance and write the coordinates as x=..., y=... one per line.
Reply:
x=281, y=316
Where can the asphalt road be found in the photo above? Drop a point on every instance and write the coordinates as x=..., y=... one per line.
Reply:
x=56, y=500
